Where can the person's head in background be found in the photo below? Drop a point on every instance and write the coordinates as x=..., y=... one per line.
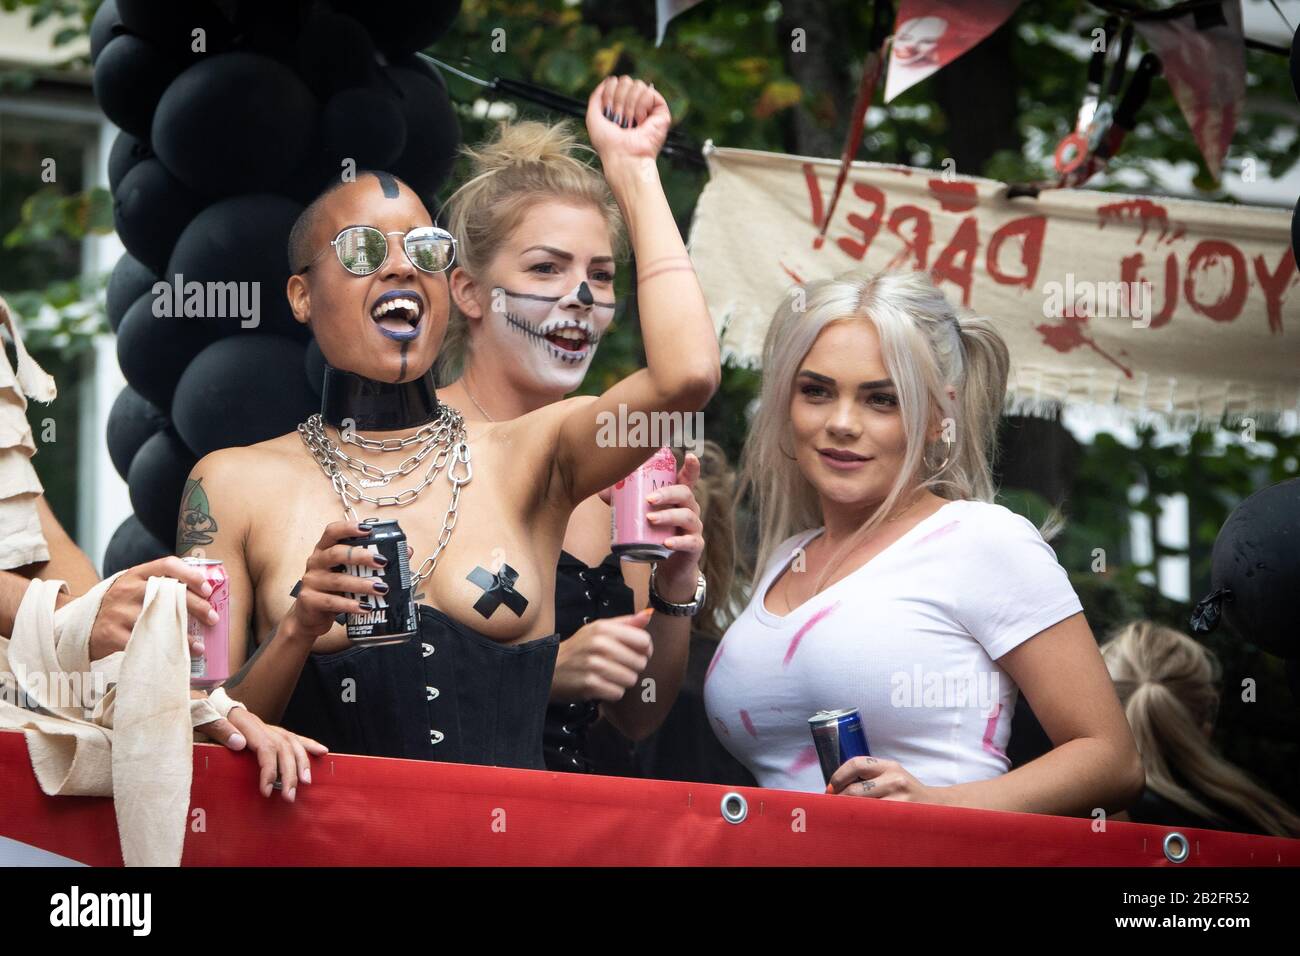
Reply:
x=538, y=238
x=1168, y=685
x=873, y=391
x=386, y=323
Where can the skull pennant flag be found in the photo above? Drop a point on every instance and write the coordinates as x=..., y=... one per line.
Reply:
x=930, y=34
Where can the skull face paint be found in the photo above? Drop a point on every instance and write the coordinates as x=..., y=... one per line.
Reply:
x=559, y=333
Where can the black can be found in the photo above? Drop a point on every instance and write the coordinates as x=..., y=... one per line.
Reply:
x=387, y=618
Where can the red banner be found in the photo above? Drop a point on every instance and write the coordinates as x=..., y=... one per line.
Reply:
x=369, y=811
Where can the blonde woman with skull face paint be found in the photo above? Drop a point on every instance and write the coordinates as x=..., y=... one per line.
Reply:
x=538, y=241
x=888, y=580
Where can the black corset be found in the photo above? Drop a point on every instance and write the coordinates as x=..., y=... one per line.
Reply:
x=582, y=594
x=449, y=694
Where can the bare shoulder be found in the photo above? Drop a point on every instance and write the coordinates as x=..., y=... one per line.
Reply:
x=541, y=426
x=245, y=463
x=217, y=493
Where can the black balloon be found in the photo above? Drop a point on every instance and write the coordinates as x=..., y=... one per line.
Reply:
x=1295, y=63
x=366, y=126
x=105, y=25
x=171, y=26
x=130, y=280
x=1257, y=556
x=432, y=131
x=129, y=79
x=130, y=545
x=131, y=422
x=243, y=239
x=242, y=390
x=314, y=366
x=402, y=26
x=150, y=209
x=234, y=123
x=1295, y=233
x=128, y=151
x=156, y=481
x=335, y=53
x=152, y=350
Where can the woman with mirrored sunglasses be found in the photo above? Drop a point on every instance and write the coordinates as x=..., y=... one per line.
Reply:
x=484, y=505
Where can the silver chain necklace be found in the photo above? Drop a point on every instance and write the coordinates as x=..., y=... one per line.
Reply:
x=445, y=435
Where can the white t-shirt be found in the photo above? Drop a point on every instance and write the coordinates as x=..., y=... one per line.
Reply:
x=910, y=639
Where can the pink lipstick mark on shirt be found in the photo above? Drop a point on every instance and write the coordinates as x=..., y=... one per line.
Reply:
x=749, y=724
x=717, y=656
x=807, y=626
x=939, y=532
x=722, y=725
x=990, y=729
x=806, y=758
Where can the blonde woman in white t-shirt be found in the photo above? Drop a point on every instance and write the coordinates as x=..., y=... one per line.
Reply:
x=887, y=580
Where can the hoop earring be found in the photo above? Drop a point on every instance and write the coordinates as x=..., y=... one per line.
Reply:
x=946, y=458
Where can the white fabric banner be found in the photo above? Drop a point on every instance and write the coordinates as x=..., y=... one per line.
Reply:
x=1182, y=308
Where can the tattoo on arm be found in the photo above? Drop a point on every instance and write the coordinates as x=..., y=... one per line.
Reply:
x=196, y=524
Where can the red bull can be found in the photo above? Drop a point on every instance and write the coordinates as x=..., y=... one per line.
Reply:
x=838, y=737
x=212, y=667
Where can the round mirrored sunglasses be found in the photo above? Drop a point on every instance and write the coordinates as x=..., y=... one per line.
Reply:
x=363, y=250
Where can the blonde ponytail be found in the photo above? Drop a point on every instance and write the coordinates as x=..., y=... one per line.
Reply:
x=1168, y=685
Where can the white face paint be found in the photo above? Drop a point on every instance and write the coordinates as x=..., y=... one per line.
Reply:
x=550, y=341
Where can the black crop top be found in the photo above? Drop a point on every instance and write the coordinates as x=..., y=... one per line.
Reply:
x=582, y=594
x=449, y=694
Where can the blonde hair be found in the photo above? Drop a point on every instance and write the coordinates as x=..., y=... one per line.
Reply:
x=716, y=492
x=523, y=164
x=1168, y=685
x=926, y=348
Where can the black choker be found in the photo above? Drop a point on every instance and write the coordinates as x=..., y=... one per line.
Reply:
x=377, y=406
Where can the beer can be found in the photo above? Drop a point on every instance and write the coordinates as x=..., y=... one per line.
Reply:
x=387, y=618
x=838, y=737
x=635, y=538
x=212, y=667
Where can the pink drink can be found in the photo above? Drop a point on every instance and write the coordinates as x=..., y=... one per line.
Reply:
x=212, y=667
x=635, y=538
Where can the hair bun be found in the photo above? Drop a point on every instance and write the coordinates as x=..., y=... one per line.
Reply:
x=517, y=144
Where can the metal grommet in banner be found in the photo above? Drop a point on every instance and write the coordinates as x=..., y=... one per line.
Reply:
x=1177, y=847
x=734, y=807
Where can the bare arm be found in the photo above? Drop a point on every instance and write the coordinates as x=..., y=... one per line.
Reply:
x=643, y=709
x=67, y=561
x=1094, y=762
x=682, y=359
x=213, y=523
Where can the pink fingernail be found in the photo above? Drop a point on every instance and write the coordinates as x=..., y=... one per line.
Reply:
x=213, y=616
x=237, y=741
x=197, y=648
x=207, y=589
x=306, y=775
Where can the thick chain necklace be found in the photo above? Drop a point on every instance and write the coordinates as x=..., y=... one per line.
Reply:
x=444, y=438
